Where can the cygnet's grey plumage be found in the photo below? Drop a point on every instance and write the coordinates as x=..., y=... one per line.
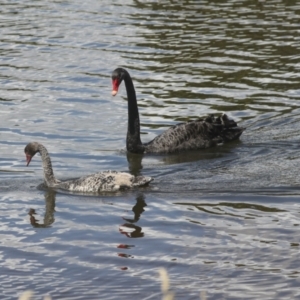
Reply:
x=106, y=181
x=194, y=135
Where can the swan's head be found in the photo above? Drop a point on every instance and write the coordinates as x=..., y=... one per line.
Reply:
x=117, y=76
x=30, y=150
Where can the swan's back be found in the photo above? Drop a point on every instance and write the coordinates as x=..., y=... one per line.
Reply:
x=107, y=181
x=199, y=134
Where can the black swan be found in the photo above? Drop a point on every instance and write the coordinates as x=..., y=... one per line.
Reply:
x=193, y=135
x=107, y=181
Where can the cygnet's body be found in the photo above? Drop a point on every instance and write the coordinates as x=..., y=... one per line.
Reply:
x=106, y=181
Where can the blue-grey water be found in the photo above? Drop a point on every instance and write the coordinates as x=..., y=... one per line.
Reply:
x=224, y=220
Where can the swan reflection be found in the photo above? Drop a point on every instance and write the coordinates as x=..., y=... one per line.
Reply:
x=137, y=209
x=221, y=152
x=137, y=233
x=50, y=197
x=130, y=229
x=134, y=163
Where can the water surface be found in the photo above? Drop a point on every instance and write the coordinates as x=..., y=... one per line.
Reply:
x=224, y=220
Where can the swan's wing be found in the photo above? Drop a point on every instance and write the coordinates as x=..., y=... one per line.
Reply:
x=184, y=136
x=104, y=181
x=193, y=135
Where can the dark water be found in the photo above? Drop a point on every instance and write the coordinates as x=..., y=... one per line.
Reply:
x=224, y=221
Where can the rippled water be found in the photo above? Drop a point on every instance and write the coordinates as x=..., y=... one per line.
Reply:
x=224, y=221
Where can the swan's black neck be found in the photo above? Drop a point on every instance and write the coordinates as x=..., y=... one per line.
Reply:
x=133, y=141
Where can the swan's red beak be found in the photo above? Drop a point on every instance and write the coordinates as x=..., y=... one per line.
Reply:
x=115, y=84
x=28, y=158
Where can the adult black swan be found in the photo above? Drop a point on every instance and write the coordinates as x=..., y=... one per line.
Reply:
x=106, y=181
x=193, y=135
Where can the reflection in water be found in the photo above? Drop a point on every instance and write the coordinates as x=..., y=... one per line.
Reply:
x=49, y=211
x=124, y=255
x=135, y=160
x=191, y=156
x=137, y=209
x=126, y=228
x=137, y=233
x=134, y=163
x=221, y=207
x=125, y=246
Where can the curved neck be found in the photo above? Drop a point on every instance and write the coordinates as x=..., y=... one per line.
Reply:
x=133, y=141
x=49, y=178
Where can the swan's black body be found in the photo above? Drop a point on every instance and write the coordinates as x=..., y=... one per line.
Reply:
x=194, y=135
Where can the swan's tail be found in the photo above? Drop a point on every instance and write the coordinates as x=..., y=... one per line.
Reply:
x=228, y=129
x=231, y=131
x=230, y=134
x=142, y=180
